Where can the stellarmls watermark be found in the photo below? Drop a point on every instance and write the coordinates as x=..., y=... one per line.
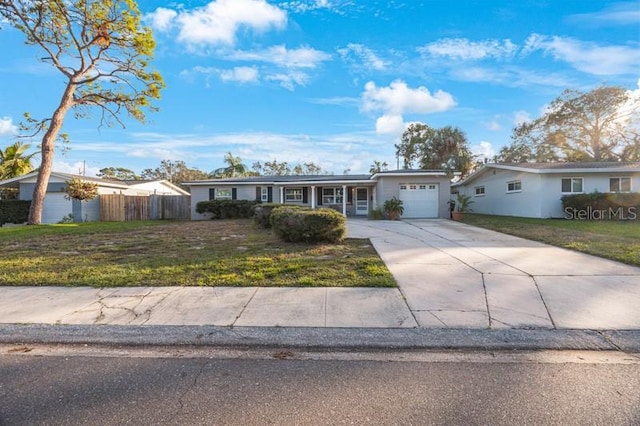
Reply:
x=617, y=213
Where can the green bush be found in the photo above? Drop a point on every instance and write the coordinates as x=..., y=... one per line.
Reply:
x=227, y=209
x=14, y=211
x=377, y=214
x=262, y=214
x=602, y=206
x=309, y=226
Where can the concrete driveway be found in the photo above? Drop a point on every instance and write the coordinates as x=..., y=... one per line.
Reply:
x=450, y=275
x=455, y=275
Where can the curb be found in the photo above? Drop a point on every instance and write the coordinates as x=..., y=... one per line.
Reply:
x=324, y=338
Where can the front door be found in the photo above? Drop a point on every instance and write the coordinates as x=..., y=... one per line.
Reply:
x=362, y=201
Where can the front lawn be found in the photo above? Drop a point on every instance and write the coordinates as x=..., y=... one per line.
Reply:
x=161, y=253
x=617, y=240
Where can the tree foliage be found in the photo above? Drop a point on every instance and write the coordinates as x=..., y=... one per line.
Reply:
x=234, y=167
x=102, y=51
x=378, y=166
x=175, y=172
x=599, y=125
x=118, y=173
x=14, y=161
x=283, y=168
x=441, y=149
x=78, y=189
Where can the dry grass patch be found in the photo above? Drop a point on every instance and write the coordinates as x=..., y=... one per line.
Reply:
x=207, y=253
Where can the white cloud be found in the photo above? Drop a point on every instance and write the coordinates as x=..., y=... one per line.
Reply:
x=7, y=127
x=302, y=6
x=616, y=14
x=77, y=168
x=289, y=80
x=520, y=117
x=464, y=49
x=161, y=19
x=302, y=57
x=493, y=125
x=367, y=57
x=390, y=124
x=218, y=21
x=397, y=99
x=586, y=56
x=240, y=75
x=484, y=150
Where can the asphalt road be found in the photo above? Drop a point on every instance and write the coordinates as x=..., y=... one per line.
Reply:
x=59, y=385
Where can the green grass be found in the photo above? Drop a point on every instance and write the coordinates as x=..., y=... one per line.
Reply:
x=160, y=253
x=617, y=240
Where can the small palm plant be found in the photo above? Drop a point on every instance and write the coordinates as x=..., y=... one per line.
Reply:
x=463, y=203
x=393, y=208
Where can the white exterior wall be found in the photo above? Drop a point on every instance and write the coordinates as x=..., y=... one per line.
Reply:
x=551, y=193
x=198, y=193
x=151, y=188
x=541, y=194
x=497, y=201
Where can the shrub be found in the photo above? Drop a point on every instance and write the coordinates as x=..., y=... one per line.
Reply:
x=393, y=208
x=309, y=226
x=227, y=209
x=377, y=214
x=14, y=211
x=262, y=214
x=602, y=205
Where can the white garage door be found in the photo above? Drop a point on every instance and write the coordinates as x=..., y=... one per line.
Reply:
x=419, y=200
x=55, y=207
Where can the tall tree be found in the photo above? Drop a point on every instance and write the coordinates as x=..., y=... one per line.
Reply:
x=234, y=167
x=14, y=161
x=378, y=166
x=118, y=173
x=600, y=125
x=175, y=172
x=442, y=149
x=277, y=168
x=412, y=139
x=102, y=51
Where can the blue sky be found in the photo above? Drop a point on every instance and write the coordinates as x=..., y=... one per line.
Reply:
x=336, y=82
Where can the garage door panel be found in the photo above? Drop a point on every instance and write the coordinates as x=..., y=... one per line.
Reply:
x=420, y=200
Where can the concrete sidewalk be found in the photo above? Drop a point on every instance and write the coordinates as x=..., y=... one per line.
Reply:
x=450, y=275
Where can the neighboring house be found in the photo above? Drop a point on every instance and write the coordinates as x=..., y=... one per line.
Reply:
x=424, y=192
x=536, y=189
x=56, y=206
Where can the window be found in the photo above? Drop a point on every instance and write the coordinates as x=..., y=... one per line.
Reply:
x=479, y=191
x=264, y=194
x=620, y=184
x=514, y=186
x=332, y=196
x=223, y=193
x=403, y=187
x=293, y=194
x=570, y=185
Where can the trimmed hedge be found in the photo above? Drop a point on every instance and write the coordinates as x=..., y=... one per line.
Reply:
x=303, y=225
x=227, y=209
x=14, y=211
x=602, y=206
x=262, y=214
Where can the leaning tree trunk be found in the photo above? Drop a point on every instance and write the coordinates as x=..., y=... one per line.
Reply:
x=47, y=152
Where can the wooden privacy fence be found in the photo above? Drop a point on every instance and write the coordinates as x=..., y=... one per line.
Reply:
x=120, y=208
